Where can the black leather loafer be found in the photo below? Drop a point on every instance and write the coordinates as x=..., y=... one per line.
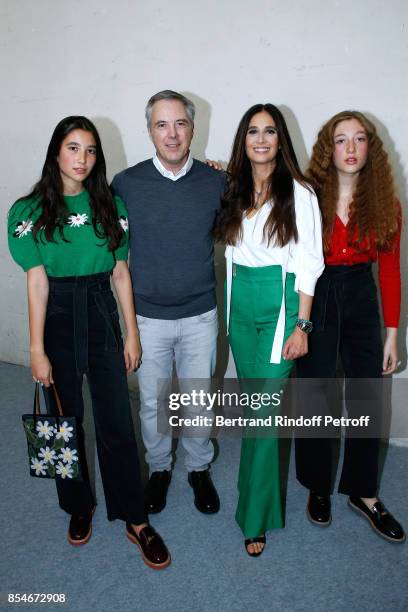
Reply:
x=80, y=528
x=380, y=519
x=318, y=509
x=156, y=491
x=205, y=496
x=153, y=549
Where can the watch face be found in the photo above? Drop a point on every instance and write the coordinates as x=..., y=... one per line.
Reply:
x=305, y=326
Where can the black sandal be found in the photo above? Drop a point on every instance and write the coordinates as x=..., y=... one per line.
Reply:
x=259, y=540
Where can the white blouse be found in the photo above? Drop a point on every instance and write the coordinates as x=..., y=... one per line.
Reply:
x=304, y=257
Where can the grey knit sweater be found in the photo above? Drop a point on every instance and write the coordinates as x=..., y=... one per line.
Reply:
x=171, y=243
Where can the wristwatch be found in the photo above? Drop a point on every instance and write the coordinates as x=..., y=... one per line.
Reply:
x=305, y=325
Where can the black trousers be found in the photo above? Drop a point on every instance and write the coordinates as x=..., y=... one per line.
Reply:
x=82, y=335
x=346, y=321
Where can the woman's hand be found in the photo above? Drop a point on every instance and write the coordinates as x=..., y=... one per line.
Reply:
x=296, y=345
x=41, y=368
x=390, y=360
x=132, y=353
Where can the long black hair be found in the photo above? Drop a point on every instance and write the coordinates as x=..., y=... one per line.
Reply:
x=48, y=192
x=239, y=196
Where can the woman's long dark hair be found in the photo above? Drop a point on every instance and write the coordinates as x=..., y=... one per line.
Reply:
x=280, y=226
x=48, y=192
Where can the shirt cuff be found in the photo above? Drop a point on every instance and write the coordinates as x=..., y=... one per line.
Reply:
x=306, y=283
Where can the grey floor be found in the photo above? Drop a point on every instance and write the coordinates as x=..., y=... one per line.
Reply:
x=304, y=568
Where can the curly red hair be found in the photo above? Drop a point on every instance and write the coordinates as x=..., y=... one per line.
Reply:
x=374, y=212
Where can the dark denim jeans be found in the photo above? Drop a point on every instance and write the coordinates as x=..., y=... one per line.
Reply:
x=82, y=336
x=346, y=322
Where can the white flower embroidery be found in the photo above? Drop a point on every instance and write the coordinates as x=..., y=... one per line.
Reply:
x=38, y=466
x=124, y=223
x=77, y=219
x=64, y=431
x=44, y=430
x=68, y=456
x=47, y=455
x=65, y=471
x=23, y=228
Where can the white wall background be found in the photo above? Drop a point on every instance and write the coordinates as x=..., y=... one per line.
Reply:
x=105, y=58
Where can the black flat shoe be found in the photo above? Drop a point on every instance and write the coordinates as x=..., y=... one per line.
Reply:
x=153, y=549
x=380, y=519
x=259, y=540
x=80, y=528
x=318, y=509
x=156, y=491
x=206, y=498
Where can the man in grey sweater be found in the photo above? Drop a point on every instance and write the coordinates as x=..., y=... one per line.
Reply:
x=172, y=203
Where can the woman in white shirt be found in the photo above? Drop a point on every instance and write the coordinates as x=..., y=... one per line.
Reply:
x=270, y=222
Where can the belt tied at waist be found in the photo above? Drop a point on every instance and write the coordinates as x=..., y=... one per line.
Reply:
x=81, y=287
x=332, y=276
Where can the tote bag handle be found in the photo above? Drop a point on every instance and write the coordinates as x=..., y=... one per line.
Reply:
x=37, y=408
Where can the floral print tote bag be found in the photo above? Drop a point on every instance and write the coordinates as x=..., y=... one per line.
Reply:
x=52, y=442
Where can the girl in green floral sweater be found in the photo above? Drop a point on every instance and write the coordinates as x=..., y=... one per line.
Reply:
x=71, y=236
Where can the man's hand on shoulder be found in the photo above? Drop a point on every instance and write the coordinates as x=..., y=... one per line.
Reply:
x=214, y=164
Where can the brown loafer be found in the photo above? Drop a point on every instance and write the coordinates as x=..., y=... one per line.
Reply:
x=153, y=549
x=80, y=528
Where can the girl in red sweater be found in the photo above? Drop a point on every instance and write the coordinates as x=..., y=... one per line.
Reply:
x=361, y=218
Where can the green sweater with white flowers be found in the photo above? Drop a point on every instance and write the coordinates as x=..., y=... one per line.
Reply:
x=80, y=254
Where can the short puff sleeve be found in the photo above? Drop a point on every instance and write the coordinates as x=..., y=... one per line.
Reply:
x=20, y=222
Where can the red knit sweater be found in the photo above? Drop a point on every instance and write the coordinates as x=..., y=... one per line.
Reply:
x=389, y=274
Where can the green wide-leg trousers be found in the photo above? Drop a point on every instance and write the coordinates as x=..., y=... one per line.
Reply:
x=255, y=304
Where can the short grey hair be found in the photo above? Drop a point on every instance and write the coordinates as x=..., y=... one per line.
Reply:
x=168, y=94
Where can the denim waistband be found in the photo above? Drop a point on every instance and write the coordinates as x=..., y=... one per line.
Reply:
x=69, y=283
x=82, y=287
x=334, y=279
x=343, y=271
